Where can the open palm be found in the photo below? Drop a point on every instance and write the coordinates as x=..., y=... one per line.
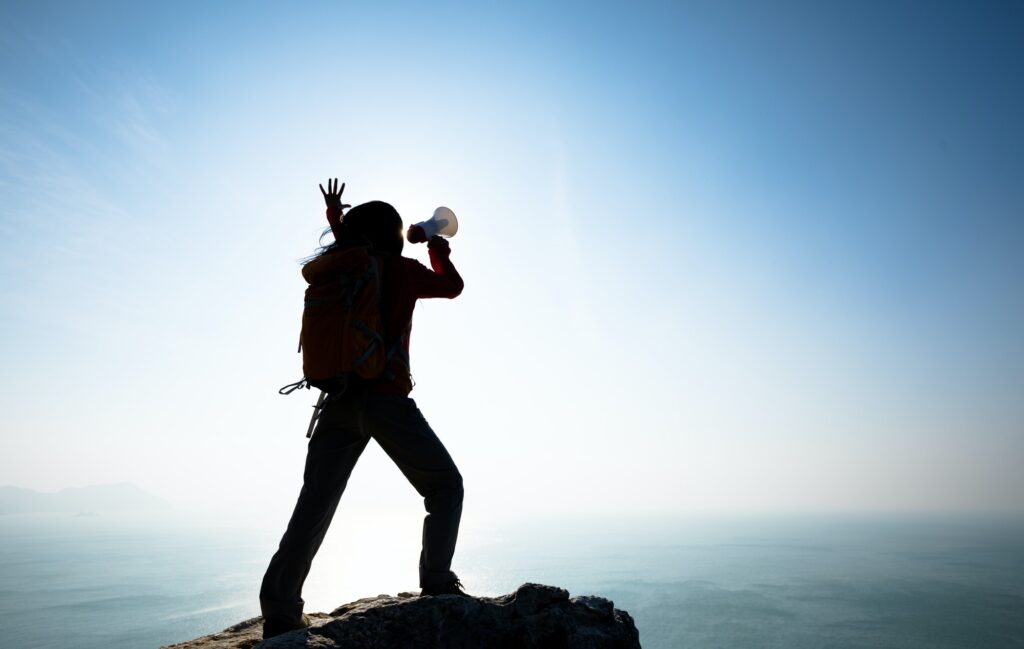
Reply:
x=333, y=195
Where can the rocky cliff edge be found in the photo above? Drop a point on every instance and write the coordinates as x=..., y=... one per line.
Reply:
x=534, y=616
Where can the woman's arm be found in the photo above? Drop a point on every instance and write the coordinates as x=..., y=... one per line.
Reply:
x=335, y=208
x=446, y=281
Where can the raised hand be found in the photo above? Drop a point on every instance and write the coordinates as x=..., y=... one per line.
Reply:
x=333, y=196
x=335, y=208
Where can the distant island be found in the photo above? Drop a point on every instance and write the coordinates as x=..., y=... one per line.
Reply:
x=120, y=497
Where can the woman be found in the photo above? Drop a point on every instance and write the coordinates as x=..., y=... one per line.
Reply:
x=380, y=409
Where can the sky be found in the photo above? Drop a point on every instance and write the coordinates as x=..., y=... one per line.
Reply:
x=719, y=257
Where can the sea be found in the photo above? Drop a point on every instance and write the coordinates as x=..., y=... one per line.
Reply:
x=904, y=581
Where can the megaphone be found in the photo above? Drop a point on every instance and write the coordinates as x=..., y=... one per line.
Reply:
x=443, y=222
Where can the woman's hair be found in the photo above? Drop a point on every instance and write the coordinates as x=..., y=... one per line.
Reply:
x=376, y=224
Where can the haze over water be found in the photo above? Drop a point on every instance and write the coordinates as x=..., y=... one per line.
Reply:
x=948, y=581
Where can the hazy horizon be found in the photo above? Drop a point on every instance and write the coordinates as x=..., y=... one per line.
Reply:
x=718, y=258
x=110, y=503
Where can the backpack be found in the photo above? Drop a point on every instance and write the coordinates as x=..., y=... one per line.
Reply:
x=341, y=325
x=342, y=336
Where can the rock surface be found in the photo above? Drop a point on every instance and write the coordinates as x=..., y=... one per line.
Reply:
x=533, y=616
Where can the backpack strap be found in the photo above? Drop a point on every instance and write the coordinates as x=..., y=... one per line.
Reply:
x=376, y=340
x=292, y=387
x=396, y=353
x=317, y=410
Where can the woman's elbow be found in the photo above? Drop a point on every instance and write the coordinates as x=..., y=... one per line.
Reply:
x=456, y=289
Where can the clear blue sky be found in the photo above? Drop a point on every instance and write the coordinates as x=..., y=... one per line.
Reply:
x=718, y=256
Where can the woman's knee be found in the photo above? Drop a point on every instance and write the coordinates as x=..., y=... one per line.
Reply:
x=446, y=495
x=458, y=489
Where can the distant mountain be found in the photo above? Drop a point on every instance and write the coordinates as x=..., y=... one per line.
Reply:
x=97, y=498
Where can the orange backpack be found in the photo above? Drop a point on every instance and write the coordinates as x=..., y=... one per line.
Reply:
x=341, y=325
x=342, y=337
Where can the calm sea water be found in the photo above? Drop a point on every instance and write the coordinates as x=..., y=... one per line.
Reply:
x=793, y=582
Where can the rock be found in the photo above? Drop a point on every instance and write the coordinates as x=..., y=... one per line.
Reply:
x=533, y=616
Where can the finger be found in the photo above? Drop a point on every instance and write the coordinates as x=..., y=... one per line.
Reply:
x=342, y=190
x=335, y=185
x=322, y=188
x=345, y=206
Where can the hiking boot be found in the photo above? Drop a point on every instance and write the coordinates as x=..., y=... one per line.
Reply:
x=453, y=587
x=276, y=626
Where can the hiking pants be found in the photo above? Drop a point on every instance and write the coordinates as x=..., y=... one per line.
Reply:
x=345, y=427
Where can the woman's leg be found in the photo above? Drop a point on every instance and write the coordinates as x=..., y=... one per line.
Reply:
x=400, y=429
x=333, y=451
